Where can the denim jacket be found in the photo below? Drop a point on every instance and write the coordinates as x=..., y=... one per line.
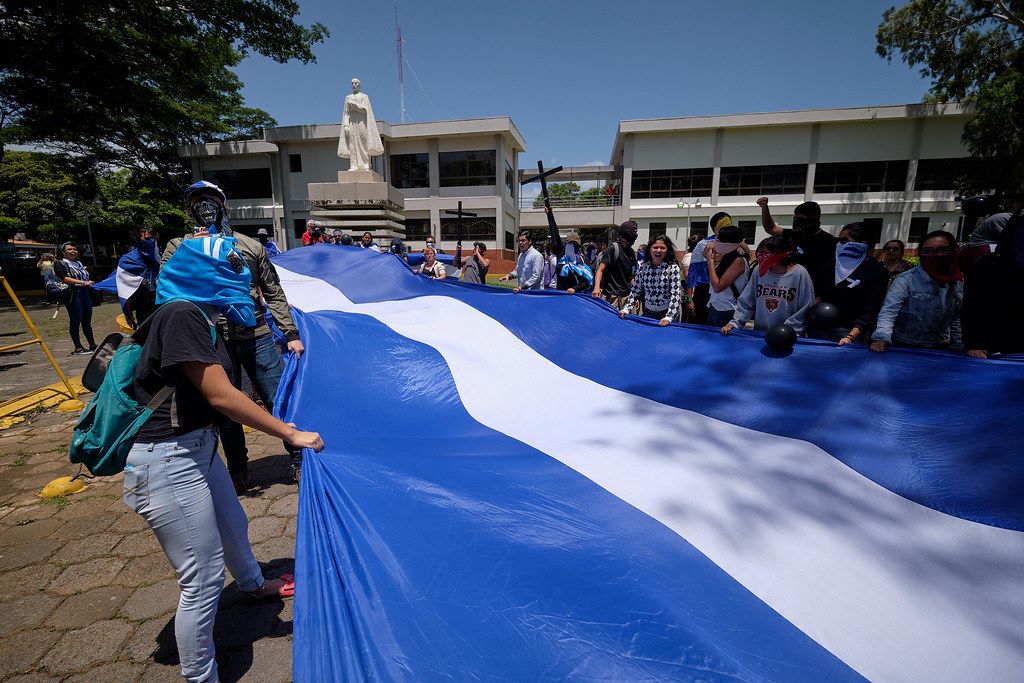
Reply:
x=913, y=312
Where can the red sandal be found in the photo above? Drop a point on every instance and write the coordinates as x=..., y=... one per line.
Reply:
x=287, y=590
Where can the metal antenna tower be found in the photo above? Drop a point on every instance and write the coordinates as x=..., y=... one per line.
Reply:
x=401, y=71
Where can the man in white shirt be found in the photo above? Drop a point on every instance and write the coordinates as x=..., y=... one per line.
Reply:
x=529, y=266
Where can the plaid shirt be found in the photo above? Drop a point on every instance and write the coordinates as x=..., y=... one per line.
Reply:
x=661, y=287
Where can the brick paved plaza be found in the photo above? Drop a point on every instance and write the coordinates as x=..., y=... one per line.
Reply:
x=86, y=593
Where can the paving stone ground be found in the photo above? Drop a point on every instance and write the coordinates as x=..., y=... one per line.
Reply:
x=86, y=594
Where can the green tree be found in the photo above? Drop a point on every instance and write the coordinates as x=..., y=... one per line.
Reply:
x=973, y=52
x=34, y=187
x=125, y=83
x=560, y=191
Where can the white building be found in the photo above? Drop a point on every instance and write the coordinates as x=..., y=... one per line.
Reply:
x=434, y=165
x=893, y=167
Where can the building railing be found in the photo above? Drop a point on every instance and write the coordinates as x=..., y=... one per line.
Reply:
x=589, y=202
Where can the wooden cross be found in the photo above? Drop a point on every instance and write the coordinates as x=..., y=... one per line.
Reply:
x=543, y=178
x=458, y=228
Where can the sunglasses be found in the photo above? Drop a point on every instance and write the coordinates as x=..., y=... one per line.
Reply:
x=935, y=251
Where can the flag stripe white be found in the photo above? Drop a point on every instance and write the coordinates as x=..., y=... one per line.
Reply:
x=896, y=590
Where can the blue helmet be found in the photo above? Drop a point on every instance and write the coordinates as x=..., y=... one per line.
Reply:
x=202, y=187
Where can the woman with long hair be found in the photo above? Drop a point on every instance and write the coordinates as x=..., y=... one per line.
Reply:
x=659, y=281
x=77, y=298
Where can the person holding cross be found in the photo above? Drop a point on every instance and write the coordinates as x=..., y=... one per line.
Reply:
x=529, y=265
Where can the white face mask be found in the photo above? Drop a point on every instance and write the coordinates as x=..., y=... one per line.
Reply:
x=848, y=257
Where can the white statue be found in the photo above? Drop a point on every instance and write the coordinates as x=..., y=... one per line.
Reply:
x=359, y=137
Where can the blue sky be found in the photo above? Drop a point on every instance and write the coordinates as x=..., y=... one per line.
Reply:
x=567, y=72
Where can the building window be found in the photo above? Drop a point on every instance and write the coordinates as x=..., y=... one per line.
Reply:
x=242, y=183
x=295, y=163
x=658, y=229
x=473, y=229
x=510, y=180
x=462, y=169
x=763, y=180
x=675, y=182
x=918, y=229
x=410, y=170
x=417, y=228
x=510, y=241
x=873, y=226
x=861, y=176
x=943, y=174
x=749, y=229
x=298, y=227
x=698, y=228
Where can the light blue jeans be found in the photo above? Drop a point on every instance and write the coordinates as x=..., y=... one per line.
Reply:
x=183, y=491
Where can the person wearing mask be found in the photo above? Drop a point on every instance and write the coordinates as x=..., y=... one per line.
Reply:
x=856, y=286
x=173, y=476
x=727, y=273
x=698, y=276
x=367, y=242
x=779, y=291
x=658, y=280
x=142, y=262
x=431, y=267
x=268, y=244
x=814, y=247
x=614, y=277
x=922, y=307
x=346, y=240
x=549, y=279
x=595, y=260
x=73, y=273
x=399, y=249
x=529, y=266
x=432, y=243
x=251, y=348
x=993, y=314
x=476, y=266
x=893, y=261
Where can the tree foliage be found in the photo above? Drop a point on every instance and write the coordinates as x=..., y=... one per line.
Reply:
x=125, y=83
x=973, y=52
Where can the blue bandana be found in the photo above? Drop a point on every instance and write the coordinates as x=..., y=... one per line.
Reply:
x=208, y=270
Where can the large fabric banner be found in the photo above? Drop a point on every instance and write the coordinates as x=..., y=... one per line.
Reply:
x=524, y=487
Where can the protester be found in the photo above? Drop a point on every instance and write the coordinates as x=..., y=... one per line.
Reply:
x=78, y=300
x=173, y=477
x=993, y=314
x=345, y=240
x=549, y=278
x=56, y=290
x=432, y=243
x=728, y=273
x=399, y=249
x=367, y=242
x=856, y=286
x=529, y=266
x=698, y=277
x=602, y=246
x=431, y=267
x=614, y=276
x=691, y=244
x=476, y=266
x=922, y=307
x=779, y=291
x=145, y=255
x=814, y=247
x=658, y=280
x=573, y=274
x=250, y=348
x=314, y=233
x=984, y=237
x=893, y=261
x=268, y=244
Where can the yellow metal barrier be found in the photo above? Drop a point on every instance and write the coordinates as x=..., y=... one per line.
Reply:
x=67, y=406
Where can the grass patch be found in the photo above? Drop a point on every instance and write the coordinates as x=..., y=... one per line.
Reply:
x=59, y=501
x=19, y=461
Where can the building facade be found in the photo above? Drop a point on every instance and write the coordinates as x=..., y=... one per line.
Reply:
x=435, y=165
x=892, y=167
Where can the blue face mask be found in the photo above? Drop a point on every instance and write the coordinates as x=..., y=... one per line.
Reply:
x=208, y=270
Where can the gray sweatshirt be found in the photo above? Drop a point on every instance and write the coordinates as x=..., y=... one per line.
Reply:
x=775, y=300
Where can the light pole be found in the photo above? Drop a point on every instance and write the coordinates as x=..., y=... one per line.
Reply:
x=693, y=204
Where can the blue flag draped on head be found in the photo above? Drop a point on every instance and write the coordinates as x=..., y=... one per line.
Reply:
x=208, y=270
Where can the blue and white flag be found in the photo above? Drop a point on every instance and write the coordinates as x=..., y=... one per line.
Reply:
x=133, y=269
x=524, y=487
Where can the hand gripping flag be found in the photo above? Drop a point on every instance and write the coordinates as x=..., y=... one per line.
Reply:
x=525, y=487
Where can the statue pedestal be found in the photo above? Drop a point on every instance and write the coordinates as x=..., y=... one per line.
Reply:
x=359, y=201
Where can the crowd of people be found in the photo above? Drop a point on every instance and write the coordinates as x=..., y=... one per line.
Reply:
x=823, y=286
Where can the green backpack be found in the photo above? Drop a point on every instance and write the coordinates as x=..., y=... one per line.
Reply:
x=106, y=430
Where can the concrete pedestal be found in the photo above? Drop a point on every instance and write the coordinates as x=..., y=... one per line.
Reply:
x=359, y=201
